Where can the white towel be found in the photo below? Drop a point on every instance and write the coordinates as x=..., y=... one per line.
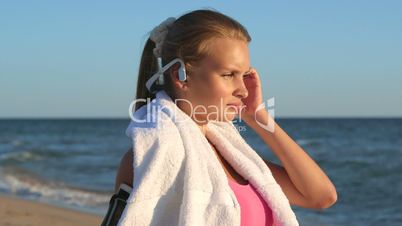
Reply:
x=178, y=179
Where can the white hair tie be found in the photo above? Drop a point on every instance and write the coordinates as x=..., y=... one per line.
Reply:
x=158, y=35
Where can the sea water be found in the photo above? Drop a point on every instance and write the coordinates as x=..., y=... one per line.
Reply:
x=73, y=163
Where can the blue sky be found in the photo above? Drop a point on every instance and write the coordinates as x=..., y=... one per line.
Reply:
x=316, y=58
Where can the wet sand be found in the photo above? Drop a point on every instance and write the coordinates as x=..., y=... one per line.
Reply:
x=19, y=212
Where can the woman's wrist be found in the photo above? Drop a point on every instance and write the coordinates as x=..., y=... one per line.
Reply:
x=260, y=118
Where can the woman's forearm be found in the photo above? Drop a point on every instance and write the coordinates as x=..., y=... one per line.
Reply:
x=305, y=174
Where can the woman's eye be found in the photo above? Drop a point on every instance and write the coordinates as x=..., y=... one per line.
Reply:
x=228, y=75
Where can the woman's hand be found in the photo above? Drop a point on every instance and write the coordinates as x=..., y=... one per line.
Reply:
x=254, y=99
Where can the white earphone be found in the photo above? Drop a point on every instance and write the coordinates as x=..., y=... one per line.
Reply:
x=159, y=74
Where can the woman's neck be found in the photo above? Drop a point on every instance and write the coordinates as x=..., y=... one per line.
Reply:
x=203, y=128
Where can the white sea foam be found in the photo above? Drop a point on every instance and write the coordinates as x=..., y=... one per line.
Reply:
x=21, y=183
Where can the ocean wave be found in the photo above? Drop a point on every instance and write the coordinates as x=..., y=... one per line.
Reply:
x=17, y=142
x=31, y=155
x=24, y=183
x=21, y=156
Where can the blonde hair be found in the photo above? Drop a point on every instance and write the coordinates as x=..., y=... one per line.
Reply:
x=187, y=39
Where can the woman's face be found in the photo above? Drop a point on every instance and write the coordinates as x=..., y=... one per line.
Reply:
x=215, y=88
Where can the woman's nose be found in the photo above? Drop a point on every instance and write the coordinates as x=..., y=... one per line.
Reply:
x=241, y=90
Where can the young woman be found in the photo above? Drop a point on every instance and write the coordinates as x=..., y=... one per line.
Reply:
x=215, y=53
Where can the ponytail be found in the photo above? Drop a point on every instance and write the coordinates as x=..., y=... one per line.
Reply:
x=148, y=67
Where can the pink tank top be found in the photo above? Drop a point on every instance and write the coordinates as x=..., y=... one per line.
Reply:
x=253, y=208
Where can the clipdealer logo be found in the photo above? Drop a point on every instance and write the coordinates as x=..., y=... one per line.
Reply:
x=210, y=111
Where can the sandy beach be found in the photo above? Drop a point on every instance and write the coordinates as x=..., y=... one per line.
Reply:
x=19, y=212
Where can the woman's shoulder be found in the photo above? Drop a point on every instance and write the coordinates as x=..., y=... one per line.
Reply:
x=125, y=172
